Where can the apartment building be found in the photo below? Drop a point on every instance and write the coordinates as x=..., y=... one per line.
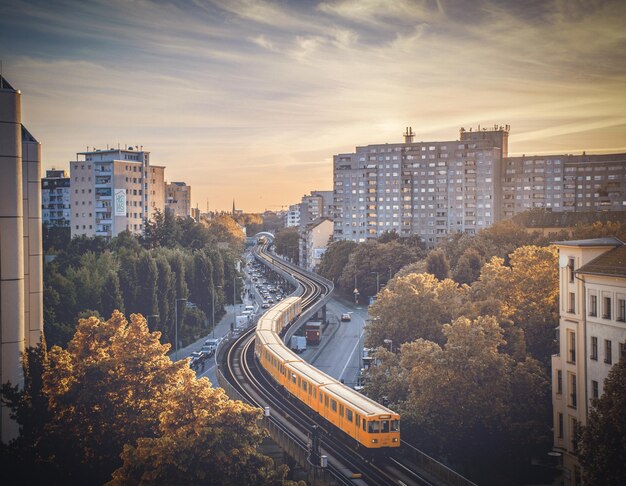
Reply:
x=21, y=286
x=293, y=216
x=111, y=191
x=178, y=199
x=564, y=183
x=433, y=189
x=56, y=199
x=592, y=336
x=426, y=188
x=315, y=239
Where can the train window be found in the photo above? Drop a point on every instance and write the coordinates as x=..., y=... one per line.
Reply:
x=326, y=401
x=314, y=392
x=333, y=405
x=385, y=428
x=358, y=420
x=321, y=397
x=349, y=414
x=341, y=410
x=373, y=426
x=364, y=425
x=293, y=377
x=395, y=426
x=304, y=385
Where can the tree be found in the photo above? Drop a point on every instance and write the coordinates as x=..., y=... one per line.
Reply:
x=287, y=243
x=525, y=292
x=467, y=270
x=437, y=264
x=602, y=447
x=114, y=389
x=203, y=437
x=335, y=259
x=413, y=307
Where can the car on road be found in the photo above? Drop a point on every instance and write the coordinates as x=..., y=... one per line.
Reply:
x=265, y=305
x=346, y=316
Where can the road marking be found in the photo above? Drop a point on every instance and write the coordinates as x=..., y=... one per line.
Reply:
x=351, y=355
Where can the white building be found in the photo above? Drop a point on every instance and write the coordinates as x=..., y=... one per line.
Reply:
x=315, y=239
x=55, y=198
x=293, y=216
x=592, y=336
x=112, y=191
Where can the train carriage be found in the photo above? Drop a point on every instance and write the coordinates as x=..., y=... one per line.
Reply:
x=364, y=420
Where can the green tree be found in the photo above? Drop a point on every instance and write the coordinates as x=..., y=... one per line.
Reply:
x=335, y=259
x=287, y=243
x=602, y=447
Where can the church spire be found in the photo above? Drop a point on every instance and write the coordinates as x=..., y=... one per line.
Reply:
x=233, y=206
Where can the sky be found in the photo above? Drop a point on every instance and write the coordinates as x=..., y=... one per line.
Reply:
x=250, y=99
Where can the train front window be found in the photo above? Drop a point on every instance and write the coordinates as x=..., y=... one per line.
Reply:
x=385, y=428
x=373, y=427
x=395, y=426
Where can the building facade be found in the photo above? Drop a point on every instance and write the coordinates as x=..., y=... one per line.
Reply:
x=428, y=189
x=315, y=239
x=56, y=199
x=178, y=199
x=111, y=191
x=293, y=216
x=592, y=336
x=21, y=285
x=156, y=189
x=432, y=189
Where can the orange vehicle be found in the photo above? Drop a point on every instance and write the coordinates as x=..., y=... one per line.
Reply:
x=367, y=422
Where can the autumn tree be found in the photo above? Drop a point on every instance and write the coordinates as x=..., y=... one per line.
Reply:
x=602, y=448
x=415, y=306
x=114, y=389
x=335, y=259
x=525, y=292
x=467, y=269
x=475, y=404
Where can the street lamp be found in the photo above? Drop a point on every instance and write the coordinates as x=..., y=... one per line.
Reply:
x=176, y=327
x=356, y=290
x=389, y=342
x=377, y=282
x=213, y=310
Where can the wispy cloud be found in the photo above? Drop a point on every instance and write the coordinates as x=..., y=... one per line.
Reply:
x=239, y=95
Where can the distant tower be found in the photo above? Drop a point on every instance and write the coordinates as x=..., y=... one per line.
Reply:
x=233, y=206
x=408, y=135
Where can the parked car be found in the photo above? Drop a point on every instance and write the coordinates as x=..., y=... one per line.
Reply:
x=346, y=316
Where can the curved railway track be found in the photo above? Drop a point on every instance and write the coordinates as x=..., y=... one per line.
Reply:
x=349, y=466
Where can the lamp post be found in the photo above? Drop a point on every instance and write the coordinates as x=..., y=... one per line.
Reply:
x=377, y=282
x=389, y=342
x=213, y=310
x=356, y=290
x=176, y=327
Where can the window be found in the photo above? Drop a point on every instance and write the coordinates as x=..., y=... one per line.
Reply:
x=373, y=426
x=349, y=414
x=570, y=267
x=608, y=355
x=395, y=426
x=606, y=309
x=572, y=303
x=559, y=382
x=595, y=389
x=621, y=310
x=573, y=393
x=622, y=350
x=593, y=305
x=560, y=425
x=571, y=341
x=594, y=348
x=333, y=405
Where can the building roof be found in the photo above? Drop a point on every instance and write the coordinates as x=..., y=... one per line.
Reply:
x=318, y=221
x=4, y=84
x=608, y=241
x=611, y=263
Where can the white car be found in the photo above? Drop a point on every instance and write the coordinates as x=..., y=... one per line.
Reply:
x=346, y=316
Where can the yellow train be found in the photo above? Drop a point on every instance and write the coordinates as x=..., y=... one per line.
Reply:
x=367, y=422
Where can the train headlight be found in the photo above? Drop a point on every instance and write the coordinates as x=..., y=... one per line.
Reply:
x=374, y=441
x=395, y=439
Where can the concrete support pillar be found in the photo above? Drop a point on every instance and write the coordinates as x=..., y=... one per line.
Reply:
x=33, y=258
x=11, y=249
